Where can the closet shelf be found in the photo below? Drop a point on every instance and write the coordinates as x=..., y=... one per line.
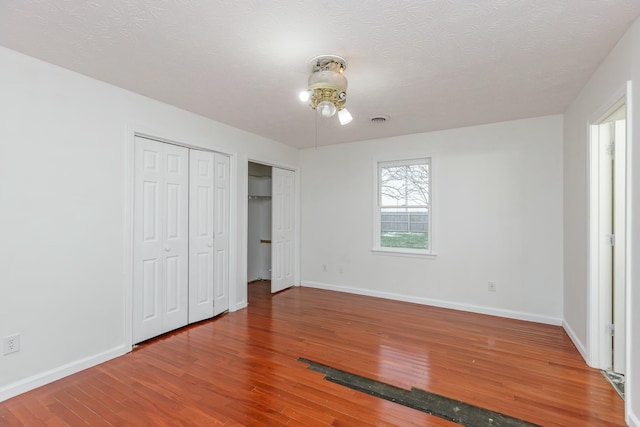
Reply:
x=259, y=197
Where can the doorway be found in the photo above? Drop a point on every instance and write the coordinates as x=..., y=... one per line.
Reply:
x=271, y=226
x=608, y=240
x=259, y=223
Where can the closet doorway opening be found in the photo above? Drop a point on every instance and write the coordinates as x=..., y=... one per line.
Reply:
x=271, y=226
x=259, y=224
x=608, y=255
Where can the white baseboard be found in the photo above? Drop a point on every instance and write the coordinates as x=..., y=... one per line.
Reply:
x=11, y=390
x=579, y=345
x=511, y=314
x=240, y=306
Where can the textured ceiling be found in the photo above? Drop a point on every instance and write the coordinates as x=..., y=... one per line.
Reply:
x=428, y=64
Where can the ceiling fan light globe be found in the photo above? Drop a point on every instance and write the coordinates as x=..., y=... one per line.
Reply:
x=305, y=95
x=345, y=117
x=326, y=109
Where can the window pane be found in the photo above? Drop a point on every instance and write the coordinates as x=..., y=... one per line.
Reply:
x=404, y=228
x=404, y=185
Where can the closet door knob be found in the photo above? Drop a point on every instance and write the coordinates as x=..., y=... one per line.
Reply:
x=167, y=249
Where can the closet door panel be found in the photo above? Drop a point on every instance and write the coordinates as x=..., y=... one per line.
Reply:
x=148, y=265
x=221, y=231
x=201, y=244
x=176, y=237
x=160, y=271
x=283, y=229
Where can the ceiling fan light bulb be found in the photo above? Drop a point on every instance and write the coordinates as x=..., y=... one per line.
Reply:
x=326, y=109
x=344, y=116
x=305, y=95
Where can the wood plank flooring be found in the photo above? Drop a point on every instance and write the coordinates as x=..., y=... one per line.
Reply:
x=242, y=369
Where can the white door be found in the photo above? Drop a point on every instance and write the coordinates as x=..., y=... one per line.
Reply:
x=201, y=235
x=221, y=232
x=605, y=230
x=282, y=229
x=611, y=237
x=161, y=242
x=619, y=248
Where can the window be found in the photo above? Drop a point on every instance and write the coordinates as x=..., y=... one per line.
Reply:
x=403, y=209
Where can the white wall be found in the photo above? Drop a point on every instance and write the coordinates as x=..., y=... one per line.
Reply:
x=498, y=217
x=622, y=64
x=65, y=166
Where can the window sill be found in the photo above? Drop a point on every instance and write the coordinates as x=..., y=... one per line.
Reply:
x=403, y=253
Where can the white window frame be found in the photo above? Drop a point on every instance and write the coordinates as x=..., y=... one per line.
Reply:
x=405, y=252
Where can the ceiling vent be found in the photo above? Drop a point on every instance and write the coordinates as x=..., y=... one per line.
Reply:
x=379, y=119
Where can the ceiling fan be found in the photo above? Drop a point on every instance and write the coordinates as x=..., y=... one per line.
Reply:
x=327, y=87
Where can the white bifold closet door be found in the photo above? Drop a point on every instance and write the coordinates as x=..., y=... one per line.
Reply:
x=209, y=235
x=201, y=235
x=282, y=229
x=161, y=238
x=181, y=237
x=221, y=232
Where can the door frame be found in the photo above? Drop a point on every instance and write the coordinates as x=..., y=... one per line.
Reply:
x=133, y=131
x=595, y=308
x=245, y=218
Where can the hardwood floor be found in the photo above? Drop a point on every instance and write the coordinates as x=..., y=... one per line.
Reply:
x=242, y=369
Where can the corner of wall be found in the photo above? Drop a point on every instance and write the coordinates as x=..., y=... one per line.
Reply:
x=580, y=346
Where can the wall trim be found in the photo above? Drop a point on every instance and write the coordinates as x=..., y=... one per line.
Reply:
x=510, y=314
x=633, y=420
x=46, y=377
x=576, y=342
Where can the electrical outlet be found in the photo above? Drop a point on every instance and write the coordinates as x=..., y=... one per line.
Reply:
x=11, y=344
x=491, y=286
